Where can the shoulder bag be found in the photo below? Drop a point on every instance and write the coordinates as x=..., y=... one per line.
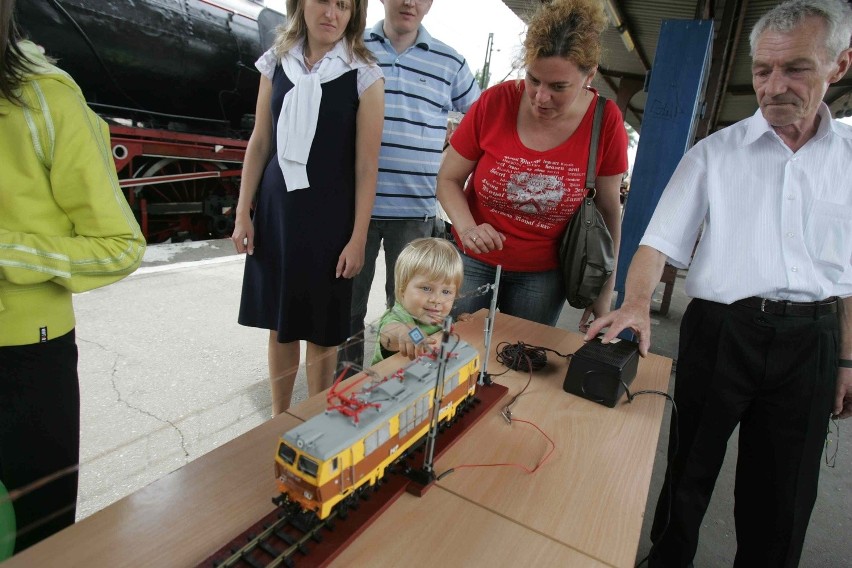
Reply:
x=586, y=251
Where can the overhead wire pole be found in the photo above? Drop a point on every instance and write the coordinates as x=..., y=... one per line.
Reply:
x=484, y=378
x=437, y=399
x=485, y=74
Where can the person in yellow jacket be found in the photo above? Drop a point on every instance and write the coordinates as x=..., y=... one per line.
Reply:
x=65, y=227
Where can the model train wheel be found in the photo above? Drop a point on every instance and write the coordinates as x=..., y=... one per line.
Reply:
x=189, y=200
x=343, y=510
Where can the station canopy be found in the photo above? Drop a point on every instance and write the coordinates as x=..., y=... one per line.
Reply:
x=630, y=42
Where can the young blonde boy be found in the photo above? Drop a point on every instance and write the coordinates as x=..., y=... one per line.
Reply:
x=428, y=275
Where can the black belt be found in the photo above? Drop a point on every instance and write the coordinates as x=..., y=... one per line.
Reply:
x=787, y=308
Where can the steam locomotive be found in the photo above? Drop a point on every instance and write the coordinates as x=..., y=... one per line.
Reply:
x=176, y=82
x=322, y=464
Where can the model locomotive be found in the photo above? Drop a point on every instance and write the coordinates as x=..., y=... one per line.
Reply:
x=370, y=423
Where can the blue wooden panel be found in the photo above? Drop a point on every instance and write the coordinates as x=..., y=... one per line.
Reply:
x=668, y=126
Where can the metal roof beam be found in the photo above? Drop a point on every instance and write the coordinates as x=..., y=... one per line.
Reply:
x=620, y=74
x=724, y=54
x=616, y=87
x=705, y=10
x=622, y=24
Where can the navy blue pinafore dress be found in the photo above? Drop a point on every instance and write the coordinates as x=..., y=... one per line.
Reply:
x=289, y=283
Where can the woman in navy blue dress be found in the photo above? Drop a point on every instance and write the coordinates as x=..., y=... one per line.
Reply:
x=310, y=175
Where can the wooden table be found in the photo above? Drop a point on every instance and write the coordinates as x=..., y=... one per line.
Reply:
x=584, y=507
x=180, y=519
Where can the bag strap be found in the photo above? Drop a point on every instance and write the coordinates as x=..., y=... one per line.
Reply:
x=600, y=103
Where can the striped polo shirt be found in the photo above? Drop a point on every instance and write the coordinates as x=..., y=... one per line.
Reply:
x=422, y=84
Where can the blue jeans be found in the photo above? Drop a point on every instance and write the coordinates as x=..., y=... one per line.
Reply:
x=394, y=236
x=534, y=296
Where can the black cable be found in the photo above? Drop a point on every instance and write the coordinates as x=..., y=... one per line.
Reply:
x=507, y=410
x=522, y=357
x=672, y=453
x=445, y=474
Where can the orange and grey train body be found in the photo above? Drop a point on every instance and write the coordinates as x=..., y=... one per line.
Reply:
x=324, y=460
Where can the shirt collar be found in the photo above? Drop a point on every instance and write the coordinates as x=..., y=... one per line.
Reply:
x=835, y=125
x=423, y=41
x=757, y=126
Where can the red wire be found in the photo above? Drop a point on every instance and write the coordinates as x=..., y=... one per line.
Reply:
x=520, y=466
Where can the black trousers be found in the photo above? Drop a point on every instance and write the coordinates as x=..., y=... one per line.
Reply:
x=40, y=435
x=774, y=376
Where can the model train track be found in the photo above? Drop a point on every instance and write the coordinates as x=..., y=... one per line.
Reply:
x=290, y=537
x=279, y=530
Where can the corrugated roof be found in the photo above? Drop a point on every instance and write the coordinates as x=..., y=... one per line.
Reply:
x=643, y=19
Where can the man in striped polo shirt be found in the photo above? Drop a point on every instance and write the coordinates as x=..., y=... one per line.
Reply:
x=424, y=80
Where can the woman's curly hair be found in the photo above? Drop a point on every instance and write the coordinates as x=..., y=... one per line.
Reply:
x=567, y=28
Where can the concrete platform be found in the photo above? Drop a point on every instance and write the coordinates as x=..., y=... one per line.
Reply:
x=167, y=374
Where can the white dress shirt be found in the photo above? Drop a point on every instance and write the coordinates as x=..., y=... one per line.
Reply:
x=777, y=224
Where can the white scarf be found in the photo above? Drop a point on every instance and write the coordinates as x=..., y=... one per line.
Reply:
x=297, y=123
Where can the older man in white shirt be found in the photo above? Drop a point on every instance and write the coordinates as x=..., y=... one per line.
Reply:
x=766, y=342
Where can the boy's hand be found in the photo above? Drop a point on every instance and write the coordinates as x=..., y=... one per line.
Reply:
x=411, y=350
x=395, y=338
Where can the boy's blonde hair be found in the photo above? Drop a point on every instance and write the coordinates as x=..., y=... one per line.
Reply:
x=437, y=259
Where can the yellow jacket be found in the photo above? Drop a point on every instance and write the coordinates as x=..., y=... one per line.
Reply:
x=65, y=225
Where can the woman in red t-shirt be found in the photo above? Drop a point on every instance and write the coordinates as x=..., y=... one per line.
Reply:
x=527, y=145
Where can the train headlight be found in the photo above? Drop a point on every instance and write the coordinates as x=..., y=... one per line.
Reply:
x=308, y=495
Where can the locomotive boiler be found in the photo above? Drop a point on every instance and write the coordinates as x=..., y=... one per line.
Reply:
x=176, y=82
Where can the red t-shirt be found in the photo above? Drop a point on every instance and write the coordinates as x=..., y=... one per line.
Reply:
x=528, y=195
